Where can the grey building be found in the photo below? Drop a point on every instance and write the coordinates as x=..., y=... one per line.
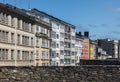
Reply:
x=110, y=47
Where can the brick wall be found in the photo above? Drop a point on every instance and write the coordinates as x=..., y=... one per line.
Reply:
x=60, y=74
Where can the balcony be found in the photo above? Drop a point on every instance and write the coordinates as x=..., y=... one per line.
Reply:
x=67, y=31
x=37, y=58
x=42, y=35
x=43, y=22
x=67, y=48
x=45, y=59
x=67, y=56
x=67, y=40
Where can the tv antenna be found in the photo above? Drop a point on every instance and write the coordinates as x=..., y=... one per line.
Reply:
x=3, y=1
x=28, y=4
x=15, y=2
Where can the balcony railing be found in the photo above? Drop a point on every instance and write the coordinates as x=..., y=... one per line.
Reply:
x=68, y=31
x=41, y=35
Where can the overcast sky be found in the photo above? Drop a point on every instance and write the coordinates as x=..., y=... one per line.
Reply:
x=100, y=17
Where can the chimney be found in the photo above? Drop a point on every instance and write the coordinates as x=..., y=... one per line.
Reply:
x=80, y=34
x=86, y=34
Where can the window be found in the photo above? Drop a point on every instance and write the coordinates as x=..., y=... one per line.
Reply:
x=0, y=53
x=85, y=54
x=46, y=19
x=62, y=61
x=43, y=64
x=3, y=36
x=43, y=30
x=73, y=45
x=18, y=54
x=25, y=40
x=0, y=35
x=19, y=22
x=53, y=54
x=67, y=29
x=73, y=60
x=4, y=54
x=85, y=47
x=67, y=61
x=67, y=44
x=47, y=32
x=57, y=54
x=37, y=42
x=57, y=26
x=61, y=43
x=23, y=55
x=5, y=19
x=37, y=28
x=68, y=36
x=31, y=55
x=12, y=54
x=37, y=64
x=53, y=44
x=12, y=37
x=44, y=55
x=62, y=35
x=6, y=37
x=45, y=43
x=32, y=26
x=62, y=26
x=61, y=52
x=32, y=43
x=1, y=17
x=73, y=30
x=57, y=36
x=18, y=38
x=73, y=37
x=12, y=21
x=37, y=54
x=73, y=53
x=53, y=35
x=57, y=45
x=67, y=53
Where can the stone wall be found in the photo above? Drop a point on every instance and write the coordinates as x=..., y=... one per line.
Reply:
x=60, y=74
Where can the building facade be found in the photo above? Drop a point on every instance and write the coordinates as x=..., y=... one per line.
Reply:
x=42, y=42
x=111, y=47
x=86, y=46
x=16, y=37
x=78, y=47
x=92, y=50
x=62, y=40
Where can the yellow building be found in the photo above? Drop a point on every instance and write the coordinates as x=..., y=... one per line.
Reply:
x=92, y=50
x=42, y=44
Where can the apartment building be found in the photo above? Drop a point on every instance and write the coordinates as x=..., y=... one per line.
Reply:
x=92, y=50
x=62, y=40
x=86, y=46
x=16, y=37
x=78, y=47
x=42, y=39
x=42, y=44
x=111, y=47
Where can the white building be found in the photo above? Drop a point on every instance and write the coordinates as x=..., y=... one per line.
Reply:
x=78, y=47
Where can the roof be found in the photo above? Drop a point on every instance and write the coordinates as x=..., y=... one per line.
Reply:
x=16, y=11
x=81, y=36
x=53, y=17
x=21, y=12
